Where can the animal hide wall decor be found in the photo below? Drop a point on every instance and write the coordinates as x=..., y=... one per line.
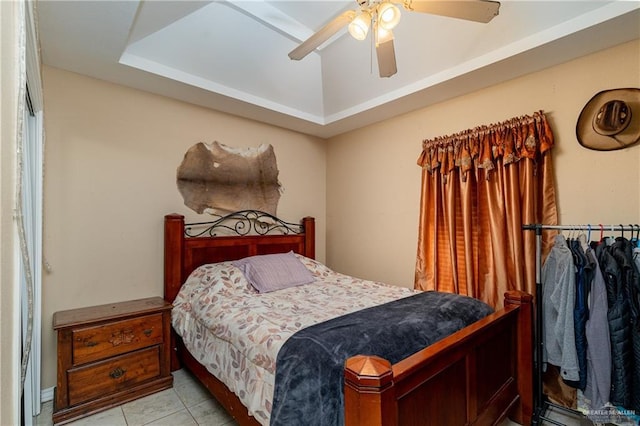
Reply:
x=217, y=178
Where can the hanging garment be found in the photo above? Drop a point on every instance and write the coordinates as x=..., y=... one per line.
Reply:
x=623, y=253
x=619, y=320
x=635, y=301
x=581, y=310
x=599, y=346
x=558, y=299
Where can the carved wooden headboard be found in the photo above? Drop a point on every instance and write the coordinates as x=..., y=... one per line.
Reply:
x=187, y=246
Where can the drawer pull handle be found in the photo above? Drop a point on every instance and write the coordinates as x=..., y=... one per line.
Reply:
x=90, y=343
x=147, y=332
x=117, y=373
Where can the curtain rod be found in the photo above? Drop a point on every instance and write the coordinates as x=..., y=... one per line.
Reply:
x=487, y=128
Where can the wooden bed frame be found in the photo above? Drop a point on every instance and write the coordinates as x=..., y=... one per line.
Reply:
x=479, y=375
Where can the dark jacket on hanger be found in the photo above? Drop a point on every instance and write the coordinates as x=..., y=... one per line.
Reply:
x=581, y=310
x=635, y=339
x=623, y=253
x=635, y=301
x=619, y=318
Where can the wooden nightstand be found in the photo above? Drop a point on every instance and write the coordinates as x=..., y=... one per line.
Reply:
x=110, y=354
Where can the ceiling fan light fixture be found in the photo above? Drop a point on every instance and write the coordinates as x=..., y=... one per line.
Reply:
x=359, y=27
x=388, y=15
x=384, y=16
x=382, y=35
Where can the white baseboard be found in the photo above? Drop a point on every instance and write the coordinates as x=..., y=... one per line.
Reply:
x=47, y=394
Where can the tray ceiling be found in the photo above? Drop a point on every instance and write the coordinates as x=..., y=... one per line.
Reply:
x=232, y=55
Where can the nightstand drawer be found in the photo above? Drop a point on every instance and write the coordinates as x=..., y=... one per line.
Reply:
x=98, y=379
x=99, y=342
x=111, y=354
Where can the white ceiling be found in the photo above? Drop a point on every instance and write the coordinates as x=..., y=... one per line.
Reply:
x=232, y=55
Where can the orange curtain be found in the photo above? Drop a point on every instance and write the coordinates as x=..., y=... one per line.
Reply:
x=478, y=188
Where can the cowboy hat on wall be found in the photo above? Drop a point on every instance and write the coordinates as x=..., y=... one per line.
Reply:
x=610, y=120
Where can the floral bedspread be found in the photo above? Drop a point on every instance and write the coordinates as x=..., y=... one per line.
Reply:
x=236, y=332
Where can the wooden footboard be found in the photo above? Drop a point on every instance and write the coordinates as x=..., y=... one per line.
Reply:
x=477, y=376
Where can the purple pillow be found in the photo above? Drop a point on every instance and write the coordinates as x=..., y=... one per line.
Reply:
x=272, y=272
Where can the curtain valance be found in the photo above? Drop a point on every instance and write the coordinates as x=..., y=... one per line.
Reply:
x=527, y=136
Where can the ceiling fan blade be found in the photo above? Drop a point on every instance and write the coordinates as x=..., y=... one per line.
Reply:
x=386, y=56
x=322, y=35
x=471, y=10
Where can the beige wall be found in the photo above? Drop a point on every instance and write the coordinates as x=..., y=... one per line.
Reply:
x=373, y=182
x=110, y=170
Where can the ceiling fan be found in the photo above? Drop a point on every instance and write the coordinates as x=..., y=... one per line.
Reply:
x=384, y=15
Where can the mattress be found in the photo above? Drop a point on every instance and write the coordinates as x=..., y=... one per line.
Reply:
x=236, y=332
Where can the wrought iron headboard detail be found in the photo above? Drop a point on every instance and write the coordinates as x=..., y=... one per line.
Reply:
x=243, y=223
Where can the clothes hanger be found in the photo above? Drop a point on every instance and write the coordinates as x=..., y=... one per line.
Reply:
x=601, y=232
x=584, y=239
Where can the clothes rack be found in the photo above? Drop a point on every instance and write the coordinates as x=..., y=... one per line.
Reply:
x=540, y=406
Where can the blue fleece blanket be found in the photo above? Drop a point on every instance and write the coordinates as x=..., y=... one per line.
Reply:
x=309, y=368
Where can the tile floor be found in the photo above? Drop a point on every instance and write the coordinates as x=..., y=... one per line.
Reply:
x=186, y=404
x=189, y=404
